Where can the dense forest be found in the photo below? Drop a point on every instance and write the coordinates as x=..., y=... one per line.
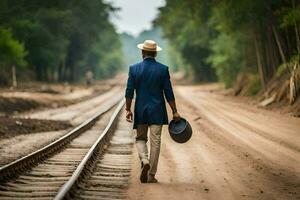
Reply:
x=245, y=44
x=237, y=40
x=57, y=40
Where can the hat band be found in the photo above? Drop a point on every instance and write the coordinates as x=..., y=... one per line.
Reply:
x=149, y=48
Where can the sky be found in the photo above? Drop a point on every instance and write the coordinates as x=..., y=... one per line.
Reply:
x=135, y=15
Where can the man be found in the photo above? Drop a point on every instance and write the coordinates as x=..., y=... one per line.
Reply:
x=151, y=81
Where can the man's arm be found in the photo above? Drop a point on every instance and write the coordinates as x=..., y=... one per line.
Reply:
x=176, y=115
x=128, y=104
x=129, y=115
x=129, y=95
x=172, y=104
x=168, y=90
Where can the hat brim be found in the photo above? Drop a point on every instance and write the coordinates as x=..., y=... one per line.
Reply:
x=141, y=46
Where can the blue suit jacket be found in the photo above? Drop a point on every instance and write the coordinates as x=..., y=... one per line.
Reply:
x=151, y=81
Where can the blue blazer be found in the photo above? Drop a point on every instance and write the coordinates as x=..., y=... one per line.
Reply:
x=151, y=81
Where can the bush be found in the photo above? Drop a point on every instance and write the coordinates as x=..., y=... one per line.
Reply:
x=12, y=51
x=254, y=85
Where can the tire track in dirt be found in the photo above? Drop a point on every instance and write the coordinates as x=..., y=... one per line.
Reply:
x=233, y=162
x=283, y=179
x=252, y=124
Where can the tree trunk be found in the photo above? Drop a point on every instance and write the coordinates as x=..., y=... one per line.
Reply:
x=297, y=39
x=72, y=57
x=259, y=64
x=14, y=77
x=288, y=41
x=38, y=73
x=60, y=71
x=283, y=58
x=296, y=32
x=45, y=74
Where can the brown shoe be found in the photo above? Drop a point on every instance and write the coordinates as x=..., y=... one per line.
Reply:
x=144, y=173
x=152, y=179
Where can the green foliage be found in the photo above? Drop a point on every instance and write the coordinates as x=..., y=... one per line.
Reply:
x=175, y=60
x=231, y=37
x=225, y=58
x=60, y=36
x=12, y=51
x=280, y=70
x=104, y=57
x=253, y=86
x=186, y=25
x=290, y=16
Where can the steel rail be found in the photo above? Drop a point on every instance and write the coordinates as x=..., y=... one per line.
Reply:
x=18, y=166
x=69, y=188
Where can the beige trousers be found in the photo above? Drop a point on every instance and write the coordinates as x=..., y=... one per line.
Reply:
x=141, y=144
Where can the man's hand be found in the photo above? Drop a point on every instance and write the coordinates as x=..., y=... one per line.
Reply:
x=176, y=117
x=129, y=116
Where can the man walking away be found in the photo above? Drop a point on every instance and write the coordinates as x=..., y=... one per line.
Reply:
x=151, y=82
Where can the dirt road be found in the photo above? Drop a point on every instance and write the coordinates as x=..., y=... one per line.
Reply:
x=23, y=144
x=77, y=113
x=237, y=152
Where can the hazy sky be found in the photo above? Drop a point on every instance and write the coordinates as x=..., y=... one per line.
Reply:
x=135, y=15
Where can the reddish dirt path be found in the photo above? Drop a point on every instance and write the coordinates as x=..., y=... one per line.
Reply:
x=236, y=152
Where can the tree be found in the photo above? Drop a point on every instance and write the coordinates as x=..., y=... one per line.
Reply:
x=186, y=25
x=233, y=37
x=12, y=54
x=59, y=35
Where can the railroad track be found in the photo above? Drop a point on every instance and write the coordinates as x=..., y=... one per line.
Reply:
x=91, y=161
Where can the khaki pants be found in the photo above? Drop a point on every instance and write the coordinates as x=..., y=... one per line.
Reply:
x=141, y=144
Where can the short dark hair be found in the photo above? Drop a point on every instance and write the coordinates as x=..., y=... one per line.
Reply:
x=149, y=53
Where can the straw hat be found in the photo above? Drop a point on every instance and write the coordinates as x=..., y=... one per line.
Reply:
x=149, y=45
